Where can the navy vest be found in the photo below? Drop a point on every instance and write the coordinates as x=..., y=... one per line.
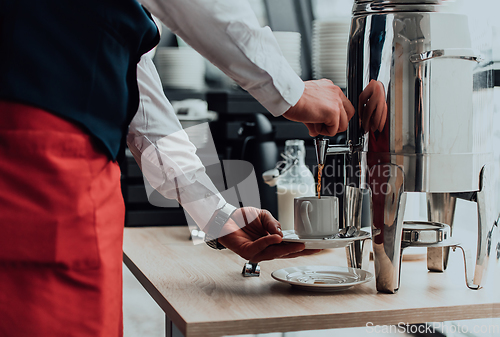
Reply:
x=76, y=59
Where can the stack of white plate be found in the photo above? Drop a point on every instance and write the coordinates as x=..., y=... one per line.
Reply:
x=180, y=67
x=329, y=50
x=289, y=43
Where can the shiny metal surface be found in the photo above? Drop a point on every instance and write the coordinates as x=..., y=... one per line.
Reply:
x=251, y=270
x=388, y=6
x=353, y=202
x=398, y=2
x=321, y=146
x=422, y=99
x=431, y=117
x=467, y=265
x=358, y=254
x=423, y=233
x=440, y=208
x=460, y=54
x=488, y=212
x=388, y=212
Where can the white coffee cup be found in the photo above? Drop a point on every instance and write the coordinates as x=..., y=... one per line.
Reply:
x=316, y=218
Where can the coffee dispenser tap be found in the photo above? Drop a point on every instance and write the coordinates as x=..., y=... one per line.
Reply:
x=323, y=148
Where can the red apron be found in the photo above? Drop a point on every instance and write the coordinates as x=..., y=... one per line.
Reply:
x=61, y=229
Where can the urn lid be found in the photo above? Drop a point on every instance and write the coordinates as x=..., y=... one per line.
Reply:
x=387, y=6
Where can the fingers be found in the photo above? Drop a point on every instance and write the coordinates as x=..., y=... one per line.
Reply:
x=368, y=110
x=339, y=115
x=364, y=112
x=262, y=239
x=344, y=120
x=254, y=249
x=277, y=251
x=266, y=241
x=377, y=116
x=380, y=115
x=329, y=130
x=270, y=224
x=348, y=107
x=384, y=117
x=373, y=107
x=305, y=252
x=365, y=94
x=312, y=129
x=318, y=127
x=342, y=114
x=290, y=250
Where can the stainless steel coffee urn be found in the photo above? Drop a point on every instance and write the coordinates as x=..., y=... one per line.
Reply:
x=423, y=123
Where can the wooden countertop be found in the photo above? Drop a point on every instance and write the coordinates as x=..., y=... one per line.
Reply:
x=203, y=292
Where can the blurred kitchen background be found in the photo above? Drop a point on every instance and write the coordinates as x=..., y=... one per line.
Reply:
x=313, y=36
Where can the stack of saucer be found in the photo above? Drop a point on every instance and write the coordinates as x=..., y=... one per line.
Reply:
x=290, y=46
x=180, y=67
x=329, y=50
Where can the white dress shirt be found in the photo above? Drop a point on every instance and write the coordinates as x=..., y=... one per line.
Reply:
x=227, y=33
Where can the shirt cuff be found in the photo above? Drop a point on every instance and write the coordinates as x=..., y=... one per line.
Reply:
x=278, y=103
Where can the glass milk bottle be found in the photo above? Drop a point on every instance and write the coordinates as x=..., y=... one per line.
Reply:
x=296, y=180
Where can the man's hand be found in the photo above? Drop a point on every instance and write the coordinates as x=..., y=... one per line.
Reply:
x=323, y=108
x=260, y=239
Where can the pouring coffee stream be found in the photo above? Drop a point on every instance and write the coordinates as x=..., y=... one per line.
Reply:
x=318, y=186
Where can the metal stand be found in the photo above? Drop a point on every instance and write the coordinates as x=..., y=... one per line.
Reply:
x=440, y=208
x=387, y=184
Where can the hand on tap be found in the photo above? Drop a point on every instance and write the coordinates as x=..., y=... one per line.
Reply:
x=373, y=107
x=323, y=108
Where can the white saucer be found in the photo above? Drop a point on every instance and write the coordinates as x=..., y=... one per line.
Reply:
x=290, y=236
x=322, y=278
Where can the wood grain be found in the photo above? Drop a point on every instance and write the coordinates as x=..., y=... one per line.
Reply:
x=204, y=294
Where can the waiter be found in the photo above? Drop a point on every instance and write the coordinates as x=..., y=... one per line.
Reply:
x=69, y=88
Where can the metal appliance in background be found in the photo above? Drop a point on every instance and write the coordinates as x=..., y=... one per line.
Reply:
x=423, y=123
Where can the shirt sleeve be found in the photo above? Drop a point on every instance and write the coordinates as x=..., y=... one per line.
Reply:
x=227, y=33
x=164, y=152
